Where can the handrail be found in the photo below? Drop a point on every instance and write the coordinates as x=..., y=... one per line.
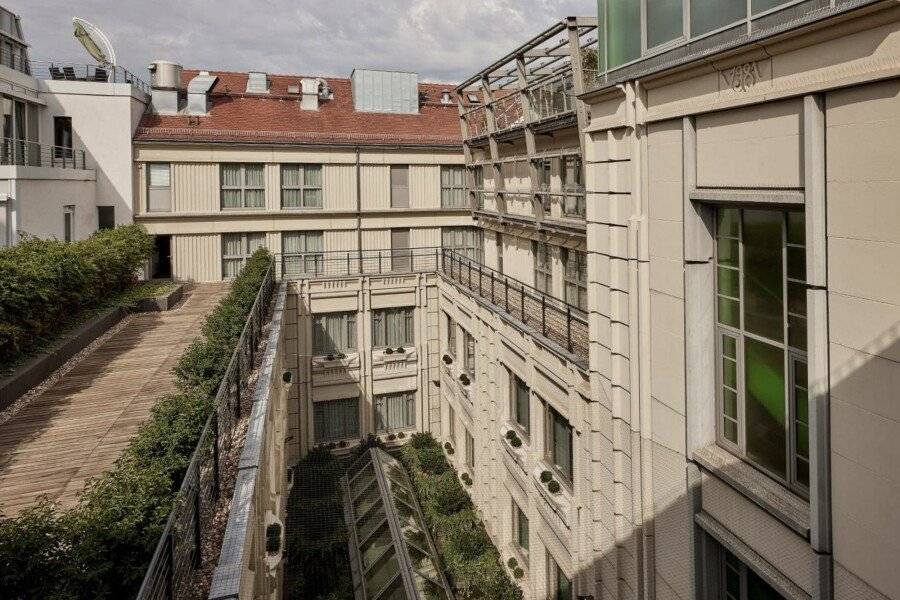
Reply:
x=69, y=71
x=33, y=154
x=178, y=553
x=348, y=263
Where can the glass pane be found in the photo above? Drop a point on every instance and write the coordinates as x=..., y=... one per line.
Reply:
x=727, y=252
x=362, y=481
x=729, y=312
x=290, y=176
x=231, y=175
x=372, y=548
x=802, y=472
x=729, y=373
x=563, y=586
x=291, y=198
x=159, y=174
x=764, y=405
x=758, y=6
x=797, y=332
x=729, y=346
x=757, y=589
x=708, y=15
x=801, y=401
x=729, y=404
x=312, y=198
x=729, y=431
x=231, y=198
x=763, y=273
x=796, y=223
x=623, y=31
x=797, y=298
x=253, y=175
x=395, y=591
x=802, y=440
x=664, y=21
x=728, y=282
x=312, y=175
x=370, y=521
x=727, y=220
x=254, y=198
x=796, y=261
x=382, y=573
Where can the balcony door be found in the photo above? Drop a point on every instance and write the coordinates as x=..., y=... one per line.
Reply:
x=401, y=255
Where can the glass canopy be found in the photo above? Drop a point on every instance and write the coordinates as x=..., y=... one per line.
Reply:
x=392, y=555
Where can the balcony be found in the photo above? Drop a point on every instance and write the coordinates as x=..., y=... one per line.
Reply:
x=32, y=154
x=64, y=71
x=552, y=99
x=359, y=263
x=476, y=122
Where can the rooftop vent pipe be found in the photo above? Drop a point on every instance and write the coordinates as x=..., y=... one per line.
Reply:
x=257, y=83
x=310, y=90
x=165, y=83
x=198, y=93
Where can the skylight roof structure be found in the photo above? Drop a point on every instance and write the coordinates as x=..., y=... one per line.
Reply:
x=392, y=556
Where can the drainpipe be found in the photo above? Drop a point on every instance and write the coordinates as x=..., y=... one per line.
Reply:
x=12, y=208
x=358, y=209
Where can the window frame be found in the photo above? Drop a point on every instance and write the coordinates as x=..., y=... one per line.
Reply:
x=159, y=188
x=69, y=223
x=543, y=266
x=246, y=253
x=304, y=187
x=469, y=353
x=305, y=256
x=573, y=192
x=515, y=416
x=243, y=188
x=453, y=195
x=397, y=199
x=452, y=338
x=469, y=450
x=464, y=240
x=380, y=326
x=348, y=323
x=519, y=515
x=451, y=425
x=354, y=436
x=577, y=284
x=792, y=357
x=409, y=396
x=566, y=479
x=553, y=582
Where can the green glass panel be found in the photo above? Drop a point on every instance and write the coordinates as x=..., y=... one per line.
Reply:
x=797, y=298
x=729, y=312
x=757, y=589
x=395, y=591
x=729, y=373
x=796, y=261
x=728, y=282
x=428, y=589
x=729, y=401
x=368, y=522
x=623, y=31
x=563, y=586
x=664, y=21
x=763, y=274
x=764, y=405
x=802, y=440
x=759, y=6
x=381, y=573
x=727, y=252
x=729, y=430
x=802, y=405
x=367, y=499
x=797, y=332
x=375, y=545
x=803, y=472
x=727, y=220
x=729, y=346
x=800, y=375
x=362, y=481
x=709, y=15
x=796, y=226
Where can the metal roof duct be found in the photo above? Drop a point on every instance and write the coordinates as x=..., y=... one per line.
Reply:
x=385, y=91
x=198, y=93
x=257, y=83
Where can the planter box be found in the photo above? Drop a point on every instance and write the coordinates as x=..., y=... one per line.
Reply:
x=36, y=369
x=161, y=303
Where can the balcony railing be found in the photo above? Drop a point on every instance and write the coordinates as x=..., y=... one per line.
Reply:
x=355, y=263
x=476, y=122
x=553, y=98
x=33, y=154
x=62, y=71
x=508, y=111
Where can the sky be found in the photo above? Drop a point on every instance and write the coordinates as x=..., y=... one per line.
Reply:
x=442, y=40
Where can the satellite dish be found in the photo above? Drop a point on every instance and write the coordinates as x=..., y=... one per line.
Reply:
x=95, y=42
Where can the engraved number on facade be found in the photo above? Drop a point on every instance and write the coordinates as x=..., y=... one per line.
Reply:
x=742, y=77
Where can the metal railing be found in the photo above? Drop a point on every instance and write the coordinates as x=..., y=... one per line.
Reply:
x=552, y=98
x=508, y=111
x=65, y=71
x=562, y=323
x=311, y=265
x=32, y=154
x=476, y=122
x=178, y=554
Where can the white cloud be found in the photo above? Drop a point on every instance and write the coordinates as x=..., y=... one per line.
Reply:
x=442, y=40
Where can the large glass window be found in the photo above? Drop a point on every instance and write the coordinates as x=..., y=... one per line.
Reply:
x=575, y=275
x=401, y=254
x=560, y=585
x=392, y=327
x=478, y=176
x=761, y=340
x=709, y=15
x=236, y=249
x=573, y=186
x=453, y=187
x=243, y=185
x=301, y=186
x=665, y=21
x=520, y=402
x=334, y=333
x=302, y=252
x=62, y=138
x=451, y=336
x=559, y=444
x=336, y=420
x=739, y=582
x=159, y=187
x=395, y=411
x=69, y=223
x=623, y=31
x=520, y=528
x=469, y=356
x=470, y=451
x=543, y=267
x=466, y=241
x=400, y=186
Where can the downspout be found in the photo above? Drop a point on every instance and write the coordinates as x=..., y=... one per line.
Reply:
x=12, y=212
x=358, y=208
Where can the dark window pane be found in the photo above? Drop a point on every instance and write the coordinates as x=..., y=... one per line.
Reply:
x=796, y=260
x=729, y=346
x=803, y=472
x=796, y=228
x=707, y=15
x=623, y=31
x=802, y=440
x=729, y=398
x=727, y=252
x=802, y=403
x=728, y=282
x=797, y=298
x=764, y=405
x=727, y=222
x=664, y=21
x=729, y=373
x=730, y=431
x=759, y=6
x=797, y=332
x=763, y=281
x=757, y=589
x=800, y=375
x=729, y=312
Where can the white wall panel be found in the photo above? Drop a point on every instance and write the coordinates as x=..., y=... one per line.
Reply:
x=375, y=186
x=424, y=186
x=339, y=187
x=195, y=187
x=197, y=257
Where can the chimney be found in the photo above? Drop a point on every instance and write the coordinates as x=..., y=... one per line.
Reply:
x=165, y=84
x=198, y=93
x=310, y=90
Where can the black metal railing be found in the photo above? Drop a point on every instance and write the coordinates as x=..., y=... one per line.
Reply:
x=66, y=71
x=310, y=265
x=179, y=554
x=33, y=154
x=562, y=323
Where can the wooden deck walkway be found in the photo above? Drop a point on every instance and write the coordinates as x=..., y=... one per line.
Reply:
x=78, y=427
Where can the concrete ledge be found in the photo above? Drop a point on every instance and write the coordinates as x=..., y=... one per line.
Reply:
x=161, y=303
x=36, y=369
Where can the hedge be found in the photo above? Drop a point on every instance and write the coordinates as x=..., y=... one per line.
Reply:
x=471, y=561
x=101, y=547
x=43, y=282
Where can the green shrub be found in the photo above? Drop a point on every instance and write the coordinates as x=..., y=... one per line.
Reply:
x=553, y=486
x=546, y=476
x=512, y=563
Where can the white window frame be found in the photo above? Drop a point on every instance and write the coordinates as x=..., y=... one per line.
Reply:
x=246, y=252
x=244, y=187
x=453, y=186
x=566, y=479
x=304, y=187
x=407, y=397
x=575, y=278
x=347, y=323
x=380, y=318
x=543, y=266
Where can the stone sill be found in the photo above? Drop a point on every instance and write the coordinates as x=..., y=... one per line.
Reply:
x=760, y=489
x=562, y=502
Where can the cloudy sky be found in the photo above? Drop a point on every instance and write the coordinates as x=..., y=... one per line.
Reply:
x=442, y=40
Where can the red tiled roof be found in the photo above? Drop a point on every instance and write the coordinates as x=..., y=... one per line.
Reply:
x=276, y=117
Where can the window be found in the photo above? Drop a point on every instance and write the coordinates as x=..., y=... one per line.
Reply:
x=478, y=176
x=243, y=186
x=575, y=275
x=335, y=420
x=453, y=187
x=623, y=31
x=559, y=444
x=159, y=190
x=560, y=585
x=395, y=411
x=401, y=255
x=400, y=186
x=665, y=21
x=302, y=252
x=520, y=398
x=469, y=356
x=334, y=333
x=236, y=249
x=761, y=340
x=301, y=186
x=498, y=242
x=465, y=241
x=62, y=137
x=106, y=217
x=392, y=327
x=709, y=15
x=451, y=336
x=573, y=186
x=470, y=451
x=451, y=425
x=69, y=223
x=543, y=267
x=739, y=582
x=520, y=527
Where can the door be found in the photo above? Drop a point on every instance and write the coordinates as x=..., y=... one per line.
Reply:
x=401, y=255
x=161, y=262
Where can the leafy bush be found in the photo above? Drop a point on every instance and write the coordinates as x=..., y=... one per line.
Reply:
x=43, y=282
x=553, y=486
x=472, y=563
x=546, y=476
x=101, y=547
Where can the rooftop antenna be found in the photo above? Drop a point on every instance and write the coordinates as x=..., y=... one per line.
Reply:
x=95, y=42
